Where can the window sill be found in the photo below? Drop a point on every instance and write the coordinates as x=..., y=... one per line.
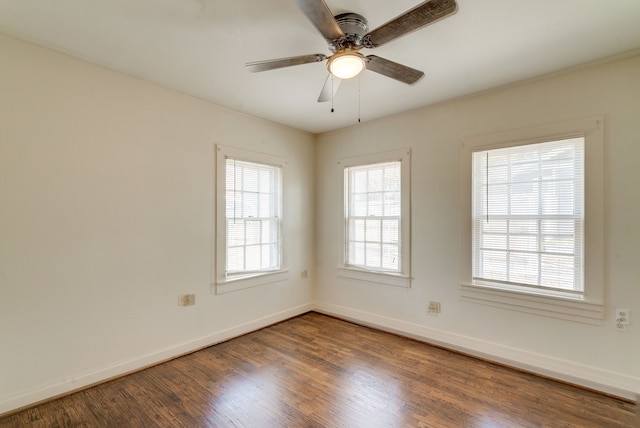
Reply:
x=570, y=309
x=384, y=278
x=248, y=281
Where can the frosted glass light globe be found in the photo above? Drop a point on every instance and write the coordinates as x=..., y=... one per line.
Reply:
x=346, y=65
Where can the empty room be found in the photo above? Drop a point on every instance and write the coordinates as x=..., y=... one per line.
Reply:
x=319, y=213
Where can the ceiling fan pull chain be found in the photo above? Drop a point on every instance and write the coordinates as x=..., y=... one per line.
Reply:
x=359, y=99
x=332, y=92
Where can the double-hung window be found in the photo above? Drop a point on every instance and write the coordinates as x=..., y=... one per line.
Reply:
x=532, y=219
x=528, y=217
x=249, y=225
x=376, y=218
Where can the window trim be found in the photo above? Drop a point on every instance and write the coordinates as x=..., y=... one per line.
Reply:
x=403, y=278
x=222, y=283
x=588, y=308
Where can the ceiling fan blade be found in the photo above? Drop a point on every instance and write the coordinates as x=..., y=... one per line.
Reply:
x=329, y=89
x=394, y=70
x=321, y=17
x=272, y=64
x=421, y=15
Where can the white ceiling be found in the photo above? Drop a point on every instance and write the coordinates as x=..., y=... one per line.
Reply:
x=199, y=47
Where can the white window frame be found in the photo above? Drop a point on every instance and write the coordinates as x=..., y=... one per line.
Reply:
x=225, y=283
x=586, y=308
x=403, y=277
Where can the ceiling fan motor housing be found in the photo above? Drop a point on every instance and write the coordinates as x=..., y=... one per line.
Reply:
x=354, y=27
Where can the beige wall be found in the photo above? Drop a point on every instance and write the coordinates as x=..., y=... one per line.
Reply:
x=106, y=216
x=593, y=355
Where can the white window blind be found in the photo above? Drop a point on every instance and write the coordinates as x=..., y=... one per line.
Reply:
x=528, y=216
x=253, y=206
x=373, y=216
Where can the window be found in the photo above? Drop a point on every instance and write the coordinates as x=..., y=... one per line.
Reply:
x=532, y=220
x=528, y=216
x=249, y=211
x=376, y=218
x=253, y=217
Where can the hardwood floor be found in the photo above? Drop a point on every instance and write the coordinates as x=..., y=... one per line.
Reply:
x=317, y=371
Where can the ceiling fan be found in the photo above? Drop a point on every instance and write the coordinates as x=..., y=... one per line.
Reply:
x=346, y=34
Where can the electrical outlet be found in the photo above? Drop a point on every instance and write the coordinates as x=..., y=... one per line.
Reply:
x=186, y=299
x=622, y=319
x=433, y=308
x=304, y=274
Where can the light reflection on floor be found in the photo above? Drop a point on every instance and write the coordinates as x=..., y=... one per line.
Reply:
x=250, y=399
x=256, y=398
x=376, y=394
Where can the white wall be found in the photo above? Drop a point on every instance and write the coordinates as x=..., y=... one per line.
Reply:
x=595, y=356
x=106, y=216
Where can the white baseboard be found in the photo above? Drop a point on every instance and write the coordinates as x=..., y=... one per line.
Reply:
x=593, y=378
x=82, y=381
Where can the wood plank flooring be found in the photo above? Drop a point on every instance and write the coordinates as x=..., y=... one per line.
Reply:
x=318, y=371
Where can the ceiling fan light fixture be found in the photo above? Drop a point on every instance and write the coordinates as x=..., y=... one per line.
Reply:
x=346, y=64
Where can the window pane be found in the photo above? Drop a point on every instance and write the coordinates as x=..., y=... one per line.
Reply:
x=493, y=264
x=265, y=201
x=523, y=243
x=524, y=172
x=498, y=174
x=495, y=242
x=391, y=231
x=358, y=230
x=357, y=253
x=252, y=257
x=249, y=205
x=375, y=180
x=359, y=207
x=558, y=227
x=523, y=268
x=558, y=244
x=250, y=179
x=252, y=230
x=268, y=231
x=498, y=195
x=524, y=226
x=375, y=204
x=265, y=181
x=523, y=154
x=558, y=169
x=558, y=198
x=391, y=205
x=524, y=198
x=390, y=257
x=360, y=182
x=373, y=231
x=372, y=256
x=267, y=252
x=235, y=233
x=558, y=271
x=234, y=204
x=392, y=179
x=235, y=259
x=495, y=226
